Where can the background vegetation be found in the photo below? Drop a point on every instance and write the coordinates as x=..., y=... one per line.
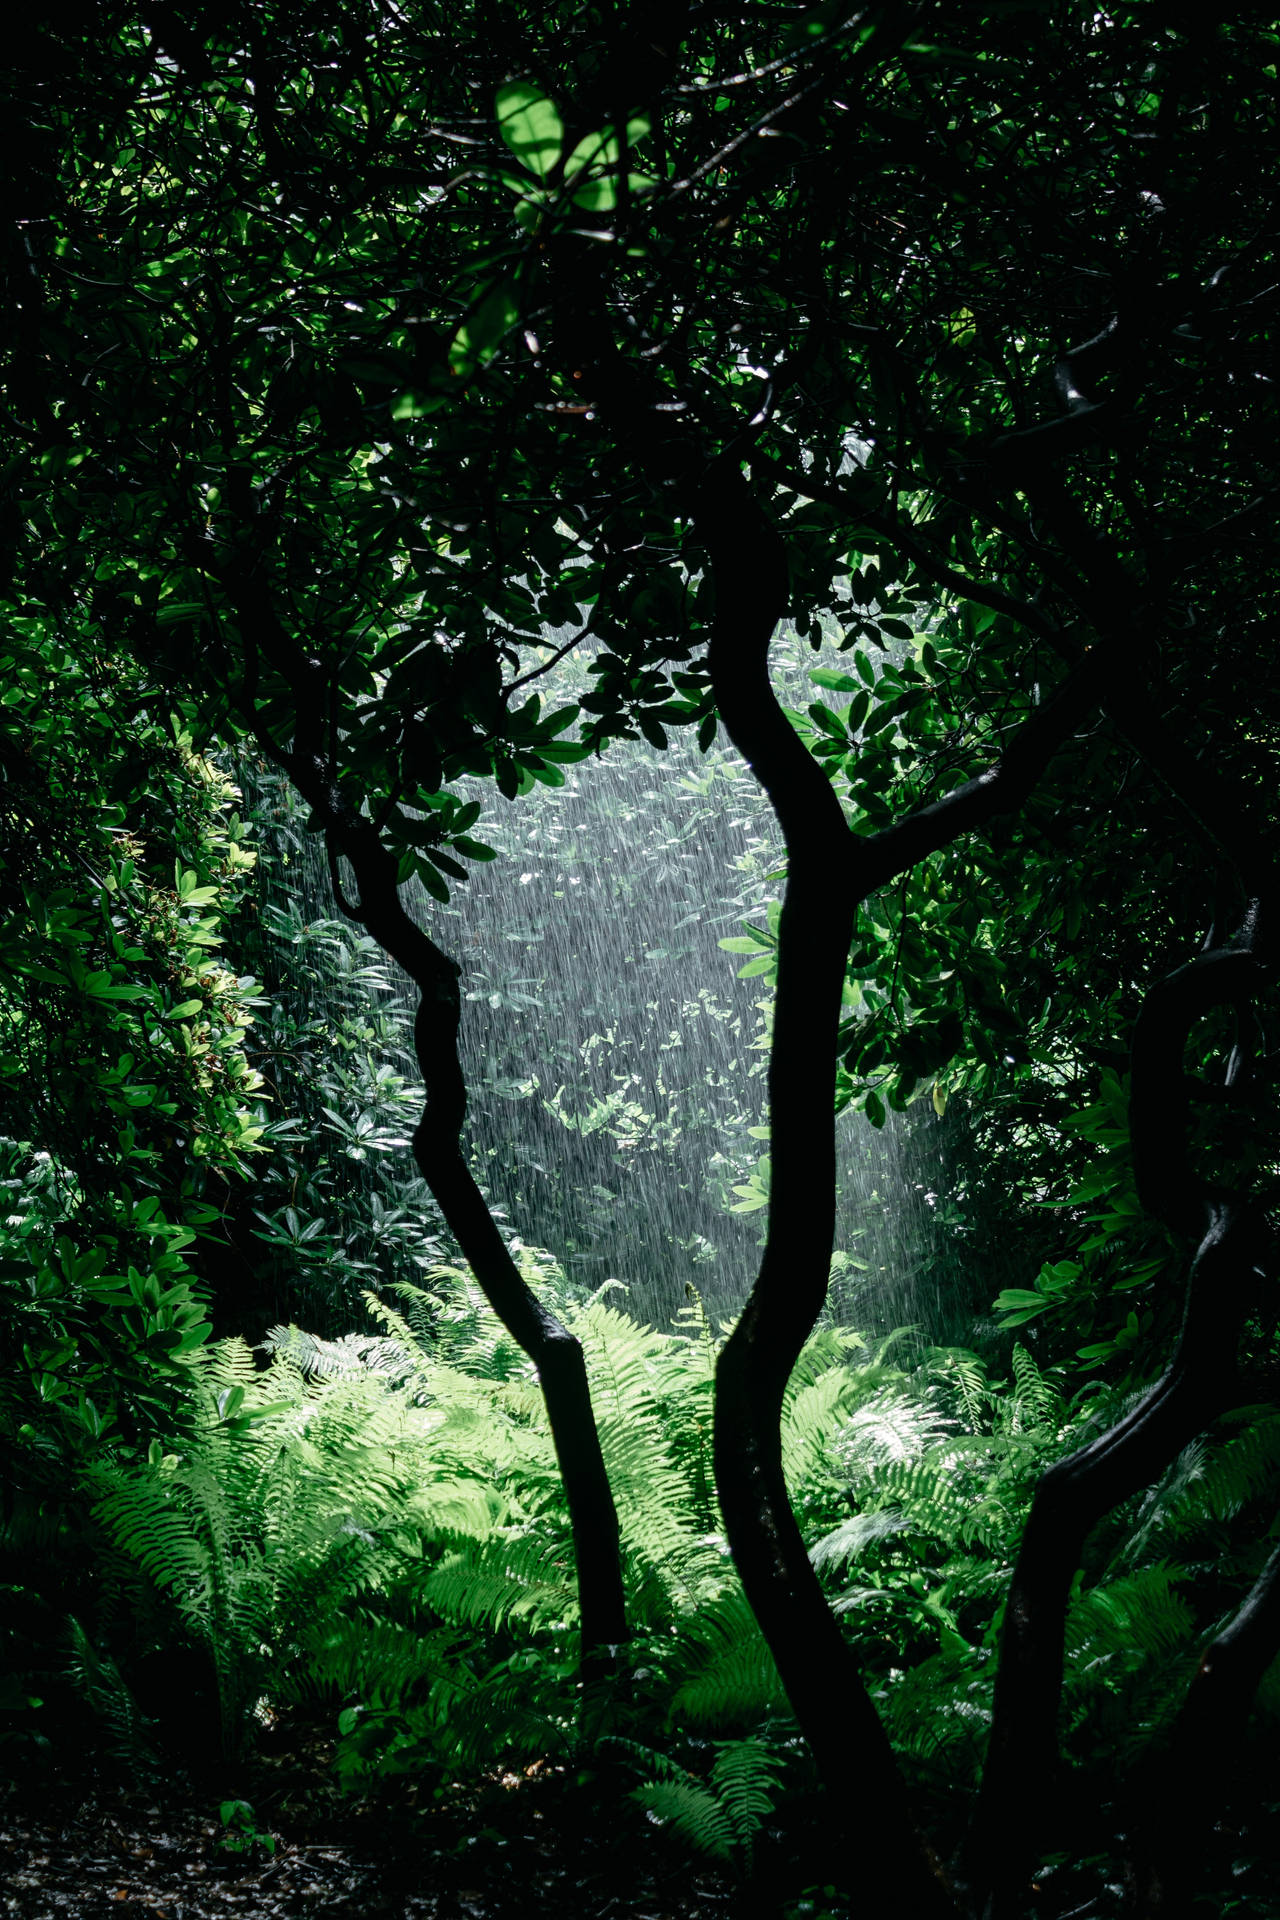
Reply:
x=492, y=545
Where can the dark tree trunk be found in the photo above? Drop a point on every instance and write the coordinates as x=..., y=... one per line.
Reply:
x=557, y=1355
x=1224, y=1278
x=1181, y=1787
x=829, y=870
x=870, y=1816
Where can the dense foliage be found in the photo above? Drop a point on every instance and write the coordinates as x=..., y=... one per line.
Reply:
x=353, y=388
x=126, y=1095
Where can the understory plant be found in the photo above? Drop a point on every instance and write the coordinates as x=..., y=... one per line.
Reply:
x=334, y=1047
x=126, y=1104
x=374, y=1525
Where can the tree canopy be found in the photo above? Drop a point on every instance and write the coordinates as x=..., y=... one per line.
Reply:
x=366, y=359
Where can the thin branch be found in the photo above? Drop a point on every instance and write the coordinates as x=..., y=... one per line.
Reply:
x=879, y=857
x=536, y=673
x=909, y=543
x=437, y=1138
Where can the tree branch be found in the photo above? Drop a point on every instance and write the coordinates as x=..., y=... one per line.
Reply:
x=437, y=1138
x=1178, y=1796
x=910, y=544
x=1235, y=1251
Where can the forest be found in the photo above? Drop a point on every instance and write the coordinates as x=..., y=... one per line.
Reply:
x=638, y=1037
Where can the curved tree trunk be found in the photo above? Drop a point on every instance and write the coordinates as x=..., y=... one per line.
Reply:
x=883, y=1854
x=1182, y=1786
x=437, y=1140
x=1234, y=1251
x=829, y=870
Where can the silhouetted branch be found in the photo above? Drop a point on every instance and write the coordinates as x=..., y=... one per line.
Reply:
x=879, y=857
x=1229, y=1265
x=437, y=1139
x=906, y=541
x=1178, y=1796
x=868, y=1802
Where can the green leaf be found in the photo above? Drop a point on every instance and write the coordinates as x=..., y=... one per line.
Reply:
x=604, y=149
x=547, y=776
x=531, y=126
x=411, y=405
x=431, y=877
x=478, y=338
x=602, y=195
x=824, y=718
x=473, y=849
x=1011, y=1299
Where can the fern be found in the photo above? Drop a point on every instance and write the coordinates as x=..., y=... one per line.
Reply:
x=1239, y=1471
x=691, y=1810
x=745, y=1776
x=379, y=1522
x=722, y=1671
x=98, y=1681
x=391, y=1662
x=344, y=1358
x=845, y=1542
x=938, y=1712
x=280, y=1510
x=722, y=1815
x=1035, y=1403
x=516, y=1577
x=961, y=1376
x=889, y=1426
x=1139, y=1614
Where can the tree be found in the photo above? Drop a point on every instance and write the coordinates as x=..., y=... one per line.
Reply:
x=342, y=369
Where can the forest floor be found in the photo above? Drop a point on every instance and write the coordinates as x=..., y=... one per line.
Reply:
x=540, y=1843
x=529, y=1844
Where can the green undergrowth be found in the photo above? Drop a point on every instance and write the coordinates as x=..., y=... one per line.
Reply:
x=373, y=1527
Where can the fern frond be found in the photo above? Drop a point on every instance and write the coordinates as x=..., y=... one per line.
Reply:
x=98, y=1681
x=891, y=1426
x=513, y=1577
x=963, y=1492
x=826, y=1347
x=386, y=1662
x=1140, y=1613
x=519, y=1711
x=1173, y=1507
x=1241, y=1470
x=745, y=1775
x=938, y=1712
x=846, y=1542
x=693, y=1327
x=810, y=1420
x=720, y=1816
x=692, y=1811
x=729, y=1676
x=962, y=1376
x=344, y=1358
x=1035, y=1402
x=468, y=1334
